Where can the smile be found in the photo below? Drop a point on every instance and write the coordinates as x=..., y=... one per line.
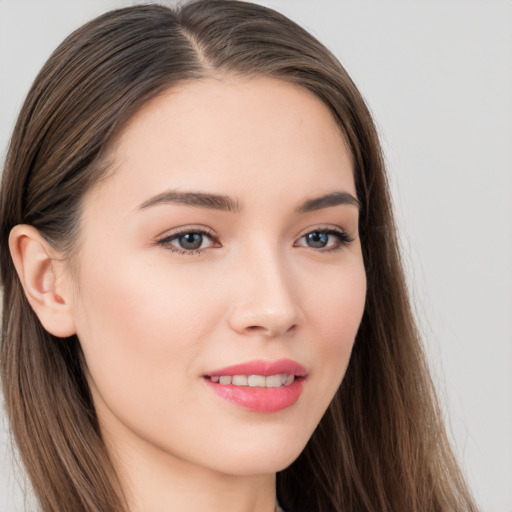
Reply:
x=261, y=386
x=255, y=381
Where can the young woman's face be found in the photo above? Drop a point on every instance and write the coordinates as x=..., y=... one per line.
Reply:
x=220, y=282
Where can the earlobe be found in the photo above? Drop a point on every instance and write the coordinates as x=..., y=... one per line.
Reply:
x=41, y=275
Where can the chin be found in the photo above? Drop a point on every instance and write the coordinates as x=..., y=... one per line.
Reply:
x=272, y=457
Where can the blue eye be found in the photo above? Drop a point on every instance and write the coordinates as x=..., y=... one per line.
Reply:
x=191, y=241
x=317, y=239
x=328, y=239
x=194, y=241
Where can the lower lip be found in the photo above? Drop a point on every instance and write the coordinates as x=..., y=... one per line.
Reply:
x=260, y=399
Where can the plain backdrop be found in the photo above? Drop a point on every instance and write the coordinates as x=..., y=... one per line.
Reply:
x=438, y=77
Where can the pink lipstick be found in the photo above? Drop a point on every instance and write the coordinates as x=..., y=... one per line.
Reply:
x=262, y=386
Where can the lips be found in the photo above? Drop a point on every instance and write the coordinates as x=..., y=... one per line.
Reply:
x=260, y=367
x=262, y=386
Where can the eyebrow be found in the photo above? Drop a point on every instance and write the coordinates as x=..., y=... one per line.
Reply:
x=226, y=203
x=327, y=201
x=197, y=199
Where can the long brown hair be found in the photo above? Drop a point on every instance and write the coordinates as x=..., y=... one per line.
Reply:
x=381, y=445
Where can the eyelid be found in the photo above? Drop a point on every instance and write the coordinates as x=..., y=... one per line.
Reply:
x=168, y=236
x=344, y=238
x=179, y=230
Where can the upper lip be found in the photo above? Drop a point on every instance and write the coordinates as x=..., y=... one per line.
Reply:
x=262, y=367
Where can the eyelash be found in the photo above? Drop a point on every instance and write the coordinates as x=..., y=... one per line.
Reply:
x=166, y=241
x=343, y=237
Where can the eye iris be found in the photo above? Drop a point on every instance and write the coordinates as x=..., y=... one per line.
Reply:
x=317, y=239
x=191, y=241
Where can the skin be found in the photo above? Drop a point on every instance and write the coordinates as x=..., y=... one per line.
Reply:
x=152, y=320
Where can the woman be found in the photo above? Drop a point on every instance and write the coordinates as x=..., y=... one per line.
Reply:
x=198, y=260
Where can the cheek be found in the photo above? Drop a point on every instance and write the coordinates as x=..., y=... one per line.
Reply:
x=141, y=335
x=154, y=303
x=335, y=313
x=337, y=305
x=133, y=327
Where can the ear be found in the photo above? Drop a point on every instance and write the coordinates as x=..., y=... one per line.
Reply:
x=44, y=279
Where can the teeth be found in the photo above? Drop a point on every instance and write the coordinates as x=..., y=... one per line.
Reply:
x=255, y=381
x=274, y=381
x=239, y=380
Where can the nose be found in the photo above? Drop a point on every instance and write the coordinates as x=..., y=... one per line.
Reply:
x=265, y=299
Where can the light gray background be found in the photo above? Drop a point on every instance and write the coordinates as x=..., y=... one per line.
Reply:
x=438, y=77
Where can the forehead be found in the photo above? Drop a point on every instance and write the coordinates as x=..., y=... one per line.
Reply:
x=235, y=133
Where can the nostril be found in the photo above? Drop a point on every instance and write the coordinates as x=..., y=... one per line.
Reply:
x=276, y=331
x=254, y=328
